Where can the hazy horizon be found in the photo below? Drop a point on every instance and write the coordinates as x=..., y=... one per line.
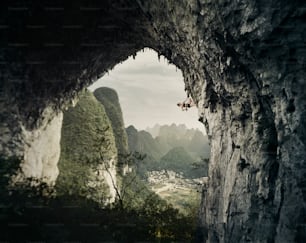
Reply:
x=148, y=91
x=177, y=124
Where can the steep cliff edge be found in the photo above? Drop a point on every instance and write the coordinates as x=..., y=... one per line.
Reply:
x=109, y=99
x=243, y=63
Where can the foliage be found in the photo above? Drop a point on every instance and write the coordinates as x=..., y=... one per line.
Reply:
x=144, y=217
x=109, y=99
x=83, y=125
x=87, y=145
x=134, y=194
x=32, y=187
x=8, y=167
x=26, y=214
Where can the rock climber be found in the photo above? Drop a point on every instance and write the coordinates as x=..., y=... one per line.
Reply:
x=188, y=103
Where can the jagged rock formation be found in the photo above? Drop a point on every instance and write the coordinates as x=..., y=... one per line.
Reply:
x=193, y=140
x=143, y=143
x=89, y=158
x=243, y=63
x=109, y=99
x=154, y=131
x=168, y=137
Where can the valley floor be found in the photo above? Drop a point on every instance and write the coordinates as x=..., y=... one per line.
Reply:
x=181, y=192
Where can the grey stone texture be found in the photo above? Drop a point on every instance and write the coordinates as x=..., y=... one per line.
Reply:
x=243, y=63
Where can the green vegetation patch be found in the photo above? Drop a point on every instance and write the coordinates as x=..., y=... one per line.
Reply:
x=87, y=146
x=109, y=99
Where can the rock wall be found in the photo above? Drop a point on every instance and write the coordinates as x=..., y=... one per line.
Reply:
x=42, y=151
x=37, y=149
x=243, y=62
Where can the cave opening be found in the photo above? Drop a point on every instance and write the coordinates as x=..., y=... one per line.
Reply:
x=156, y=157
x=148, y=89
x=243, y=63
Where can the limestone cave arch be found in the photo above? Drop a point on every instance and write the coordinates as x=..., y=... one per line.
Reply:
x=243, y=63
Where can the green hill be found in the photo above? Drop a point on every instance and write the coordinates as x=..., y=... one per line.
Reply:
x=144, y=143
x=87, y=146
x=109, y=99
x=178, y=160
x=133, y=139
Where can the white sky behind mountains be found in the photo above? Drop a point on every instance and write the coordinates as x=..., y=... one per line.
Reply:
x=148, y=91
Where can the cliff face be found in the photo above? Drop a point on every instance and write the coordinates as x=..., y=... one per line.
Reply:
x=37, y=149
x=42, y=152
x=243, y=63
x=109, y=99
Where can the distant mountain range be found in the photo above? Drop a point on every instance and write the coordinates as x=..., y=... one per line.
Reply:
x=157, y=141
x=171, y=147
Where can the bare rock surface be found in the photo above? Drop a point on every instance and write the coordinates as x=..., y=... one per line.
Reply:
x=243, y=63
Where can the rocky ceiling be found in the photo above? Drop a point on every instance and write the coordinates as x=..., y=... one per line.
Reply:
x=243, y=63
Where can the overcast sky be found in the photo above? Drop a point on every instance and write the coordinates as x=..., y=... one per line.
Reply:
x=148, y=91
